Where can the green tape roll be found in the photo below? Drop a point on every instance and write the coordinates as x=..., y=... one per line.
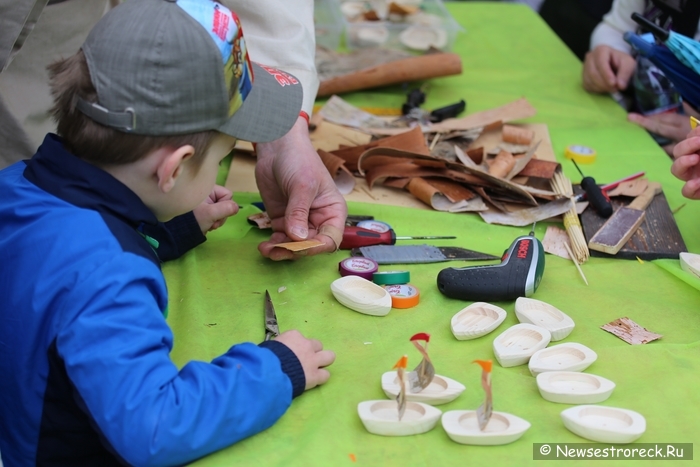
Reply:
x=391, y=277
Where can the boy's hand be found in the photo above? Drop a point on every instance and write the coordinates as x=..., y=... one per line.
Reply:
x=686, y=167
x=607, y=70
x=214, y=210
x=311, y=355
x=299, y=194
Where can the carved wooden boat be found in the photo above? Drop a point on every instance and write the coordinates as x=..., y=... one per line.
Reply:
x=539, y=313
x=381, y=417
x=690, y=262
x=362, y=295
x=569, y=356
x=604, y=424
x=440, y=390
x=572, y=387
x=476, y=320
x=462, y=426
x=515, y=345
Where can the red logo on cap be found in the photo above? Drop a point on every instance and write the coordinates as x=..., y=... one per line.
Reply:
x=282, y=78
x=221, y=22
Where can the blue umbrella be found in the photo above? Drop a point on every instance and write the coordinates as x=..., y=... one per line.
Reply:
x=685, y=79
x=687, y=50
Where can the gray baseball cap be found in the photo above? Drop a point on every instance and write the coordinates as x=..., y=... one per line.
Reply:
x=169, y=67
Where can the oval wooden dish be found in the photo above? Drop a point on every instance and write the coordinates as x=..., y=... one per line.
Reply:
x=361, y=295
x=515, y=345
x=441, y=389
x=539, y=313
x=690, y=263
x=568, y=356
x=476, y=320
x=604, y=424
x=462, y=426
x=572, y=387
x=381, y=417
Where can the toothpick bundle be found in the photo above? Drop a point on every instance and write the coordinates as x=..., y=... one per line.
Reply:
x=561, y=185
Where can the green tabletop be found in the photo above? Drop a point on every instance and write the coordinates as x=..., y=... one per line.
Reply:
x=217, y=290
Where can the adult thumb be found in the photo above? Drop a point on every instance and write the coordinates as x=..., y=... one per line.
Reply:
x=297, y=215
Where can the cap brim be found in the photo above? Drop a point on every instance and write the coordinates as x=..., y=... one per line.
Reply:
x=268, y=112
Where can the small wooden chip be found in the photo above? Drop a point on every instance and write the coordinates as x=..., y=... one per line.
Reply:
x=300, y=246
x=261, y=219
x=630, y=332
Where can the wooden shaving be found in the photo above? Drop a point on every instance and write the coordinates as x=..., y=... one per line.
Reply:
x=630, y=332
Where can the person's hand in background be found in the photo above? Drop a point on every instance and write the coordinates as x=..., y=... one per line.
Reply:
x=299, y=194
x=673, y=126
x=686, y=166
x=607, y=70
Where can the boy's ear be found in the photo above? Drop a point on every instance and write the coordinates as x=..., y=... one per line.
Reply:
x=171, y=166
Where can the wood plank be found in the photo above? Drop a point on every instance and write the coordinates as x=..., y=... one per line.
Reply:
x=657, y=236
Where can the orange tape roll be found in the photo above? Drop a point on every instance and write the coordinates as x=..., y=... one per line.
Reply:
x=403, y=295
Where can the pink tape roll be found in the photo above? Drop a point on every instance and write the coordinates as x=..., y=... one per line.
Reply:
x=363, y=267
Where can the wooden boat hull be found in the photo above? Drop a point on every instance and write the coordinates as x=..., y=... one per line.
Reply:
x=462, y=426
x=569, y=387
x=476, y=320
x=604, y=424
x=381, y=417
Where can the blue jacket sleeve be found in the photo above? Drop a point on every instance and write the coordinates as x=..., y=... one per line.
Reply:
x=175, y=237
x=115, y=345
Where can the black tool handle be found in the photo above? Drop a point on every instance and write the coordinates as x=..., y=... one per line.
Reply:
x=449, y=111
x=599, y=200
x=505, y=281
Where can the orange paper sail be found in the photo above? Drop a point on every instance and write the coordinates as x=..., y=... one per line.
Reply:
x=483, y=413
x=401, y=396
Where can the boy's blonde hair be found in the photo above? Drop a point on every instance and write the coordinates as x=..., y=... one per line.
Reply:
x=93, y=142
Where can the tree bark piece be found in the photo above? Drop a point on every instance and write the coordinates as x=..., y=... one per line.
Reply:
x=630, y=332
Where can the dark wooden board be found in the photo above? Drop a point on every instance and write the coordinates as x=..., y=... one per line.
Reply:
x=657, y=237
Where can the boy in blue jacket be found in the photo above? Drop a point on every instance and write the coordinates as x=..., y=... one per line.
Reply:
x=146, y=110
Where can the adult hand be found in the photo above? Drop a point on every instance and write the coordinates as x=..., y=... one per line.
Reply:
x=299, y=194
x=311, y=355
x=607, y=70
x=673, y=126
x=686, y=167
x=214, y=210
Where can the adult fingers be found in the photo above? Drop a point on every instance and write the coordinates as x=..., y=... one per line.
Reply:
x=689, y=145
x=691, y=189
x=682, y=166
x=297, y=213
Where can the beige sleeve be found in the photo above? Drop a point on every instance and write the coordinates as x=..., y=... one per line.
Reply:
x=280, y=33
x=17, y=19
x=615, y=23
